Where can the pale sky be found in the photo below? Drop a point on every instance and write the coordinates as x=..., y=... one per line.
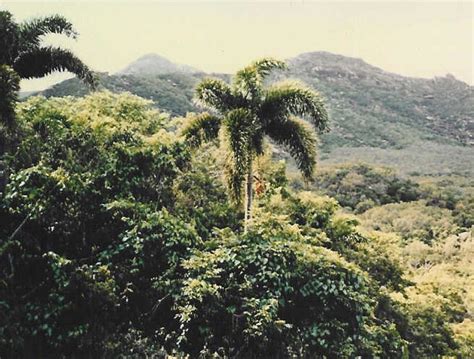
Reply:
x=420, y=39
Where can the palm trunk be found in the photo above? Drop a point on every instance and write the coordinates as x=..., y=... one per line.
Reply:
x=248, y=198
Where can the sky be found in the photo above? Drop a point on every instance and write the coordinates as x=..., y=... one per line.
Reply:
x=418, y=39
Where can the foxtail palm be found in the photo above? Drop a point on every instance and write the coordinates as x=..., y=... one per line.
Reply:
x=22, y=48
x=246, y=111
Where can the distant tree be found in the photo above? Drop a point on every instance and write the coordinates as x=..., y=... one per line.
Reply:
x=247, y=111
x=22, y=48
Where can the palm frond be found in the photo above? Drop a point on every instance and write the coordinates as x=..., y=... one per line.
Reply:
x=45, y=60
x=239, y=125
x=248, y=81
x=215, y=94
x=31, y=31
x=299, y=139
x=202, y=128
x=264, y=66
x=234, y=178
x=9, y=87
x=9, y=38
x=292, y=98
x=260, y=69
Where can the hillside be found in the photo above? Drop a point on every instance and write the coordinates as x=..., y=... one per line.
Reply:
x=371, y=107
x=375, y=115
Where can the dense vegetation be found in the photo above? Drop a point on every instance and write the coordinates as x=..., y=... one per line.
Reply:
x=118, y=241
x=172, y=92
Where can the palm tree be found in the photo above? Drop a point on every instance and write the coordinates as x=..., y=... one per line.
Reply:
x=22, y=49
x=22, y=57
x=246, y=111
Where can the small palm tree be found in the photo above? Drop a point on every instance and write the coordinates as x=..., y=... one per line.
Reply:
x=21, y=48
x=247, y=111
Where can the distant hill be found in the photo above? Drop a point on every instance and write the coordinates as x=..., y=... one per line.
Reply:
x=371, y=107
x=153, y=64
x=375, y=115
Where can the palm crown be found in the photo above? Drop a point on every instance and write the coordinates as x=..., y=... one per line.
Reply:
x=22, y=49
x=246, y=111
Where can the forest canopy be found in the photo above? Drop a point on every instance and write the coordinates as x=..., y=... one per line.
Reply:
x=118, y=240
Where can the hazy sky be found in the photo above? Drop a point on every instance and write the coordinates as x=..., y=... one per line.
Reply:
x=422, y=39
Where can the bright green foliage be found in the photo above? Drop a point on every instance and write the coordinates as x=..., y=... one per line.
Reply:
x=275, y=292
x=414, y=220
x=444, y=275
x=22, y=49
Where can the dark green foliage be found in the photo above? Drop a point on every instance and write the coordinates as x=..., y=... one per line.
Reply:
x=43, y=61
x=204, y=128
x=84, y=226
x=22, y=50
x=32, y=30
x=9, y=86
x=269, y=294
x=299, y=139
x=360, y=187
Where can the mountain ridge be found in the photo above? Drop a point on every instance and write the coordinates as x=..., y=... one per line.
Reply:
x=348, y=60
x=369, y=107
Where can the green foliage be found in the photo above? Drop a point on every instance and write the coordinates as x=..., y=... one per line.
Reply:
x=272, y=292
x=171, y=92
x=84, y=211
x=201, y=196
x=361, y=186
x=455, y=193
x=414, y=220
x=114, y=242
x=9, y=86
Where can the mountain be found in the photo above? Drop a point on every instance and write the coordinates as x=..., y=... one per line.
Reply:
x=414, y=124
x=153, y=64
x=372, y=107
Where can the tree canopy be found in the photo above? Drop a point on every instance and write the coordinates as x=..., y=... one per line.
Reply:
x=115, y=241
